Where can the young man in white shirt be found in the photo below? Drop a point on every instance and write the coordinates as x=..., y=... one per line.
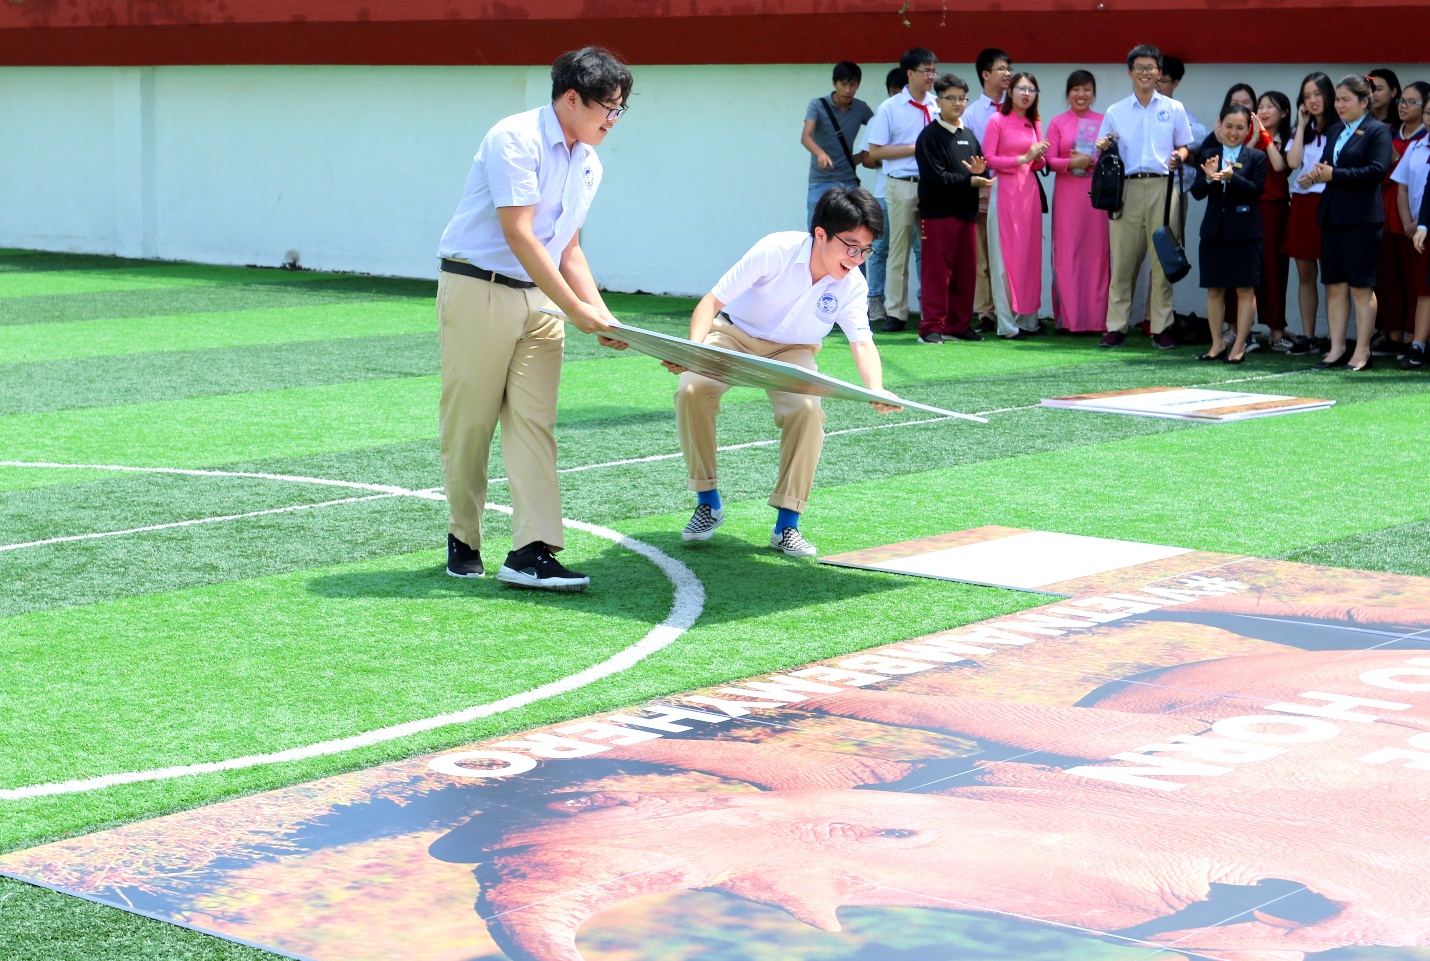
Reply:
x=896, y=125
x=995, y=72
x=512, y=248
x=1153, y=136
x=780, y=301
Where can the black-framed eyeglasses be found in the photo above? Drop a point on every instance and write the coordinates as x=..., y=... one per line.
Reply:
x=1412, y=103
x=614, y=113
x=854, y=249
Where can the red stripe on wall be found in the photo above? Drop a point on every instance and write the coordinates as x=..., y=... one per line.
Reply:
x=1195, y=31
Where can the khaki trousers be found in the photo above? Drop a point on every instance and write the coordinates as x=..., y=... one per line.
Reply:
x=982, y=288
x=501, y=363
x=902, y=199
x=799, y=417
x=1131, y=237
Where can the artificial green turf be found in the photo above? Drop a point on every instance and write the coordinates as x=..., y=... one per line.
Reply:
x=243, y=636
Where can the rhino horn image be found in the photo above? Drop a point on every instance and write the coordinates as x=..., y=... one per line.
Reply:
x=543, y=883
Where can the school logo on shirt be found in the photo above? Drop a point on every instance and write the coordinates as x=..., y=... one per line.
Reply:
x=1164, y=115
x=828, y=304
x=590, y=179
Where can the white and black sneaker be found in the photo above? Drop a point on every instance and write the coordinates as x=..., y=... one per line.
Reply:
x=792, y=543
x=703, y=523
x=533, y=566
x=463, y=561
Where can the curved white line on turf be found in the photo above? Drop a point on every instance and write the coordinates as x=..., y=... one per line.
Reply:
x=685, y=609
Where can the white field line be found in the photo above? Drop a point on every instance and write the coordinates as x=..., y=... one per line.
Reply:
x=191, y=523
x=685, y=609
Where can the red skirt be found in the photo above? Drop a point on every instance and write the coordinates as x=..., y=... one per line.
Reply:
x=1303, y=233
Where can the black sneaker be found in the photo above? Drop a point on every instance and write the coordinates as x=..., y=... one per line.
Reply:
x=1414, y=358
x=933, y=337
x=892, y=325
x=534, y=567
x=967, y=335
x=462, y=561
x=986, y=325
x=1113, y=338
x=1301, y=346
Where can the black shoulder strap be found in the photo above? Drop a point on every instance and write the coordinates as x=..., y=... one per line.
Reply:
x=1174, y=182
x=839, y=132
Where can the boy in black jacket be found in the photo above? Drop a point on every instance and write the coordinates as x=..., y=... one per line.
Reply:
x=951, y=169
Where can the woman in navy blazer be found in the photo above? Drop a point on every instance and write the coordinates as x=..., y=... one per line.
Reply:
x=1230, y=176
x=1352, y=215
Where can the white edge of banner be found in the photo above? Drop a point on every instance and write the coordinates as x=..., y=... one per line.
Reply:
x=901, y=401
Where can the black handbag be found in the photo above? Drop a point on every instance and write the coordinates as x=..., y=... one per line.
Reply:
x=1109, y=182
x=1169, y=249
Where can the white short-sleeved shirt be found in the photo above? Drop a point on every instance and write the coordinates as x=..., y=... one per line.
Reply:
x=769, y=294
x=898, y=122
x=1413, y=168
x=1146, y=136
x=978, y=114
x=1311, y=155
x=522, y=162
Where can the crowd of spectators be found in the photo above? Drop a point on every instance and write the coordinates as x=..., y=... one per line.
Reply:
x=1334, y=181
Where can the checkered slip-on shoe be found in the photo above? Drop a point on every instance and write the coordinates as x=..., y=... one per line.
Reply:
x=703, y=523
x=792, y=543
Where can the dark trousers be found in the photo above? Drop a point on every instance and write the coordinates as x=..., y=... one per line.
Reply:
x=1394, y=286
x=948, y=276
x=1275, y=265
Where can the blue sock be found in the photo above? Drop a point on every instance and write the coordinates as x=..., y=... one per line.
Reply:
x=709, y=498
x=786, y=518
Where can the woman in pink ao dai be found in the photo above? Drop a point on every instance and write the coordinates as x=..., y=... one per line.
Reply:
x=1014, y=146
x=1082, y=254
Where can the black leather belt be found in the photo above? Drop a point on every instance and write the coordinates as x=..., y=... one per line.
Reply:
x=471, y=270
x=913, y=179
x=1143, y=176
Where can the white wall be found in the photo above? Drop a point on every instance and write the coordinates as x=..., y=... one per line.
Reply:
x=358, y=168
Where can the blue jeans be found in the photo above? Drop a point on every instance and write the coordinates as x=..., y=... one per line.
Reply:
x=876, y=261
x=817, y=190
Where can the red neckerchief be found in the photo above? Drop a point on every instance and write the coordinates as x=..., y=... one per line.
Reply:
x=924, y=109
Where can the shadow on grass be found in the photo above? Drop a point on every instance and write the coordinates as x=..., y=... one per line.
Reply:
x=741, y=581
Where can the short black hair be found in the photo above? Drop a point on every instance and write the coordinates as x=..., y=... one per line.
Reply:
x=1079, y=77
x=844, y=208
x=987, y=57
x=949, y=82
x=916, y=57
x=593, y=72
x=1144, y=50
x=896, y=80
x=1174, y=68
x=846, y=70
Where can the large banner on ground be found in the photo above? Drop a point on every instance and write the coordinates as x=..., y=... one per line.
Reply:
x=1197, y=754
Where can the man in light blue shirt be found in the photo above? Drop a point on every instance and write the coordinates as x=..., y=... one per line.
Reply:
x=1153, y=136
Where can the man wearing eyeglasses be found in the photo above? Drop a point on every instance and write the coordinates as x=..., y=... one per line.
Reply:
x=780, y=301
x=1153, y=136
x=512, y=248
x=896, y=125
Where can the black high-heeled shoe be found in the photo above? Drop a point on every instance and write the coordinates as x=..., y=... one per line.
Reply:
x=1369, y=363
x=1238, y=360
x=1209, y=356
x=1340, y=361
